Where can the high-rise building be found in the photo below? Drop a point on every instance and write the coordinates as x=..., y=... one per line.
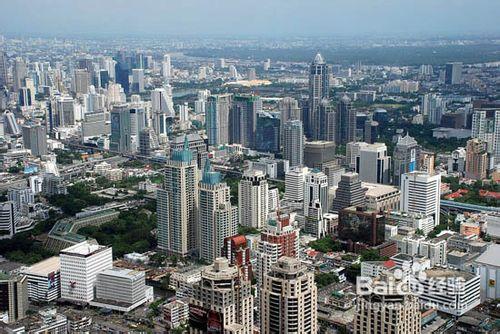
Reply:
x=237, y=251
x=137, y=80
x=253, y=199
x=178, y=204
x=476, y=160
x=217, y=119
x=456, y=162
x=14, y=297
x=293, y=143
x=328, y=119
x=148, y=142
x=486, y=126
x=80, y=265
x=120, y=139
x=10, y=123
x=166, y=67
x=453, y=73
x=421, y=193
x=221, y=302
x=349, y=192
x=316, y=189
x=21, y=196
x=120, y=288
x=162, y=109
x=346, y=125
x=405, y=157
x=433, y=106
x=217, y=219
x=289, y=110
x=373, y=164
x=243, y=119
x=319, y=85
x=3, y=69
x=288, y=299
x=61, y=112
x=391, y=312
x=294, y=184
x=123, y=67
x=35, y=139
x=8, y=218
x=94, y=125
x=318, y=153
x=44, y=280
x=19, y=73
x=267, y=135
x=81, y=81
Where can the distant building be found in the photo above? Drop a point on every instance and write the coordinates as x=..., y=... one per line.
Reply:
x=35, y=139
x=120, y=139
x=253, y=199
x=217, y=119
x=293, y=143
x=318, y=153
x=349, y=192
x=373, y=164
x=405, y=157
x=319, y=78
x=316, y=188
x=346, y=121
x=476, y=164
x=453, y=73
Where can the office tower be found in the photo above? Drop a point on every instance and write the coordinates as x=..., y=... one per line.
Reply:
x=328, y=119
x=315, y=189
x=267, y=136
x=319, y=76
x=138, y=80
x=217, y=219
x=217, y=119
x=476, y=160
x=233, y=73
x=288, y=299
x=44, y=280
x=53, y=184
x=237, y=251
x=8, y=218
x=35, y=139
x=104, y=78
x=314, y=223
x=486, y=126
x=3, y=69
x=251, y=75
x=373, y=164
x=81, y=81
x=391, y=312
x=178, y=204
x=318, y=153
x=370, y=132
x=120, y=287
x=405, y=157
x=267, y=65
x=148, y=142
x=222, y=302
x=14, y=297
x=162, y=109
x=361, y=225
x=19, y=72
x=421, y=193
x=456, y=162
x=346, y=121
x=24, y=98
x=453, y=73
x=61, y=112
x=433, y=106
x=253, y=199
x=243, y=119
x=137, y=120
x=294, y=184
x=80, y=265
x=122, y=70
x=293, y=143
x=10, y=123
x=349, y=192
x=289, y=110
x=120, y=140
x=166, y=67
x=94, y=125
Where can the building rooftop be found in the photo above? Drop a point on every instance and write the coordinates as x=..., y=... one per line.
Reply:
x=45, y=267
x=448, y=273
x=123, y=273
x=376, y=190
x=84, y=248
x=490, y=256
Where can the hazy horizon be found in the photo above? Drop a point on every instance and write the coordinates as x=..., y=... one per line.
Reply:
x=259, y=18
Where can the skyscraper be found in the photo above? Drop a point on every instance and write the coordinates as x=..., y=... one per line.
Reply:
x=178, y=204
x=316, y=189
x=253, y=199
x=19, y=72
x=137, y=80
x=122, y=70
x=81, y=81
x=288, y=299
x=346, y=121
x=421, y=193
x=267, y=135
x=453, y=73
x=217, y=119
x=35, y=139
x=486, y=126
x=166, y=67
x=405, y=157
x=289, y=110
x=222, y=301
x=120, y=139
x=294, y=184
x=162, y=109
x=319, y=77
x=243, y=119
x=14, y=297
x=476, y=160
x=349, y=192
x=373, y=164
x=3, y=69
x=293, y=143
x=216, y=217
x=328, y=116
x=237, y=251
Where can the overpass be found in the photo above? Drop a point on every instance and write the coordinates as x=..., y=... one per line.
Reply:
x=452, y=205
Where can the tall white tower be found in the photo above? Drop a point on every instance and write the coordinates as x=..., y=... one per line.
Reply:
x=253, y=199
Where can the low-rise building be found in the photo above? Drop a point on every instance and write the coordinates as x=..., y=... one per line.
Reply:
x=44, y=281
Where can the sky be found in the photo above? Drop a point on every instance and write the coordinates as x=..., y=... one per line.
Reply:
x=265, y=18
